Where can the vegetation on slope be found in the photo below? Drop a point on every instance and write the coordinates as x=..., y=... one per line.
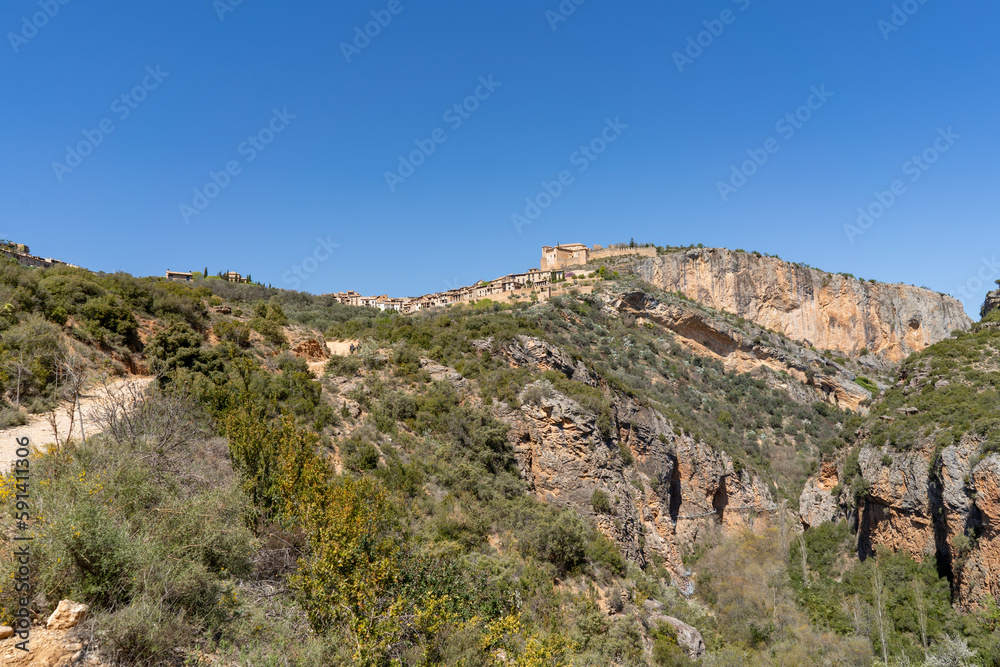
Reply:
x=375, y=517
x=949, y=390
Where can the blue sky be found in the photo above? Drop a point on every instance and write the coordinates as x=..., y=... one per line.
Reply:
x=692, y=90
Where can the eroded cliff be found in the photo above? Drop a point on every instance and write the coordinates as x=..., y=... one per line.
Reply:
x=665, y=487
x=828, y=311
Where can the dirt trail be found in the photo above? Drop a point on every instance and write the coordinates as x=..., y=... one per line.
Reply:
x=341, y=348
x=39, y=431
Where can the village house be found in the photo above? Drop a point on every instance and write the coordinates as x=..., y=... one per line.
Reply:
x=533, y=283
x=180, y=276
x=20, y=253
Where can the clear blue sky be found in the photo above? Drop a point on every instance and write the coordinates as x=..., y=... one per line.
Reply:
x=324, y=174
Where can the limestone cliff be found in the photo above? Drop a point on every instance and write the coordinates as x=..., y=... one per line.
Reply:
x=946, y=507
x=940, y=504
x=991, y=304
x=672, y=490
x=828, y=311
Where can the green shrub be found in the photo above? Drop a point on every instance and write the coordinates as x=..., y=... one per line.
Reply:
x=178, y=346
x=346, y=366
x=233, y=331
x=601, y=502
x=867, y=384
x=10, y=417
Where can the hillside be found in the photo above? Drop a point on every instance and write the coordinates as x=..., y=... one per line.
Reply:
x=606, y=478
x=923, y=475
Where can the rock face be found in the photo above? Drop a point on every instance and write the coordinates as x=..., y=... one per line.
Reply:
x=817, y=504
x=949, y=510
x=980, y=571
x=311, y=350
x=675, y=488
x=742, y=352
x=992, y=303
x=828, y=311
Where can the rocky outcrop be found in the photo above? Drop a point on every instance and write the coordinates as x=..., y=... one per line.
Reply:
x=311, y=350
x=750, y=350
x=51, y=648
x=943, y=505
x=818, y=504
x=688, y=637
x=828, y=311
x=527, y=351
x=665, y=487
x=992, y=303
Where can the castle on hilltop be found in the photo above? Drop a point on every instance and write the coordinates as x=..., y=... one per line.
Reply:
x=577, y=254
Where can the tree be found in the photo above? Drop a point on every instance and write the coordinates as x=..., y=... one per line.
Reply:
x=350, y=578
x=878, y=588
x=951, y=651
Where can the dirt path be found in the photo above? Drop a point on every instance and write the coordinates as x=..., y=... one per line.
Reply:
x=39, y=431
x=341, y=348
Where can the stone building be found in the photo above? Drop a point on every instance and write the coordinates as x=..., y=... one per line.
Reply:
x=577, y=254
x=561, y=256
x=180, y=276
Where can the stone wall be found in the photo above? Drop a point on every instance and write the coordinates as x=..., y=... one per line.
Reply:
x=614, y=252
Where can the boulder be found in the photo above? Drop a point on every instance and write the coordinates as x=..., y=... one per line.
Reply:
x=688, y=637
x=6, y=631
x=67, y=615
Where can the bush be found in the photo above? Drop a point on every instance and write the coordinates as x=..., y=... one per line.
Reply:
x=109, y=320
x=233, y=331
x=600, y=502
x=559, y=538
x=10, y=417
x=346, y=366
x=178, y=346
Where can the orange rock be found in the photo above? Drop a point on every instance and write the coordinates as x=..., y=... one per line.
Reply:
x=828, y=311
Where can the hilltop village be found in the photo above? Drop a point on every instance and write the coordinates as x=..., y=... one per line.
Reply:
x=540, y=284
x=21, y=253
